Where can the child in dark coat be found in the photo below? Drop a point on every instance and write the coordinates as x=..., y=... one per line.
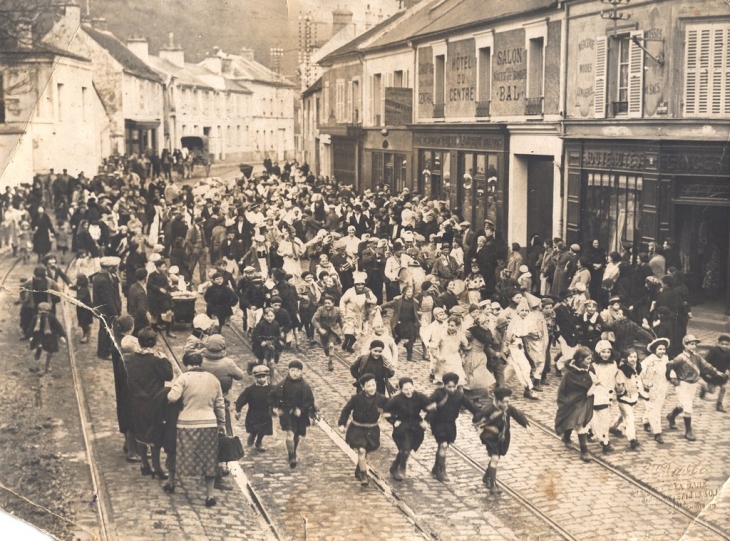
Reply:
x=221, y=299
x=46, y=332
x=258, y=417
x=718, y=357
x=266, y=338
x=26, y=309
x=84, y=315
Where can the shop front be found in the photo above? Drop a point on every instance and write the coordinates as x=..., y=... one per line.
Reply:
x=629, y=193
x=140, y=136
x=387, y=159
x=344, y=149
x=465, y=166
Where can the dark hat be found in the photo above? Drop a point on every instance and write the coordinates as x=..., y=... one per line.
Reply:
x=723, y=338
x=425, y=286
x=614, y=299
x=403, y=381
x=260, y=369
x=365, y=378
x=216, y=275
x=547, y=301
x=515, y=246
x=651, y=347
x=377, y=344
x=500, y=393
x=473, y=308
x=39, y=271
x=275, y=300
x=450, y=376
x=296, y=364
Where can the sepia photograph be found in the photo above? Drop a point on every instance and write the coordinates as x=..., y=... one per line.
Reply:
x=365, y=270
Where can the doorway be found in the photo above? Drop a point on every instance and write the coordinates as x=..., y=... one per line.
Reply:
x=702, y=234
x=540, y=184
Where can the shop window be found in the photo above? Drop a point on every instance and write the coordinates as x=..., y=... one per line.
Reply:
x=707, y=70
x=355, y=106
x=621, y=105
x=611, y=210
x=377, y=173
x=435, y=178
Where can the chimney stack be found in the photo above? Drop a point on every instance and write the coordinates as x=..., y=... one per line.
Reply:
x=247, y=53
x=140, y=48
x=368, y=18
x=340, y=19
x=172, y=53
x=99, y=23
x=214, y=62
x=25, y=34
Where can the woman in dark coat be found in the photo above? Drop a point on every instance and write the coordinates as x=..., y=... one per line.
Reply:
x=84, y=242
x=123, y=326
x=363, y=434
x=147, y=372
x=408, y=425
x=42, y=231
x=159, y=299
x=405, y=323
x=221, y=299
x=596, y=264
x=534, y=260
x=575, y=400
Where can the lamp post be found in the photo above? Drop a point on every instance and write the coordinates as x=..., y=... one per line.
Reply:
x=613, y=13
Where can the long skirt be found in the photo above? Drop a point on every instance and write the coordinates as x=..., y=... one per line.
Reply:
x=478, y=378
x=197, y=452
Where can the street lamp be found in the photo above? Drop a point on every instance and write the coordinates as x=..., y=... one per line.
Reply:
x=613, y=14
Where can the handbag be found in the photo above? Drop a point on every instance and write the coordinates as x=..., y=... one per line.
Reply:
x=230, y=448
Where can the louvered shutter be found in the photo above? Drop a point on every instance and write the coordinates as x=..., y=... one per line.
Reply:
x=691, y=71
x=636, y=74
x=716, y=70
x=726, y=75
x=348, y=113
x=371, y=101
x=599, y=87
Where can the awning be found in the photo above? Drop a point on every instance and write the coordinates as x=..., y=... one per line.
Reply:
x=141, y=124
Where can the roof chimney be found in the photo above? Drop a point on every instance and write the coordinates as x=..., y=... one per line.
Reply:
x=340, y=19
x=66, y=27
x=247, y=53
x=172, y=53
x=99, y=23
x=140, y=48
x=368, y=18
x=25, y=34
x=213, y=61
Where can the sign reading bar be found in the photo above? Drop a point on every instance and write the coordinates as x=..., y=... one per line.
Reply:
x=471, y=141
x=398, y=106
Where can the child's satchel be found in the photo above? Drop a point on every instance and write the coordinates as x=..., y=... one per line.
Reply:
x=230, y=448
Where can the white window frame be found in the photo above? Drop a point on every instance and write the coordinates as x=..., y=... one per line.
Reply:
x=536, y=30
x=340, y=100
x=484, y=40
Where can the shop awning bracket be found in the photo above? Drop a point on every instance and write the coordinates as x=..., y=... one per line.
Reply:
x=659, y=59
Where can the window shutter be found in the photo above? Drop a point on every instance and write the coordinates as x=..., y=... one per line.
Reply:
x=716, y=71
x=599, y=87
x=636, y=75
x=691, y=71
x=371, y=101
x=349, y=101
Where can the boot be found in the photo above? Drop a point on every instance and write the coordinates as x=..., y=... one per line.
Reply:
x=720, y=397
x=529, y=394
x=402, y=467
x=435, y=470
x=658, y=438
x=558, y=373
x=394, y=468
x=358, y=473
x=536, y=385
x=607, y=448
x=719, y=408
x=351, y=343
x=566, y=437
x=703, y=392
x=250, y=440
x=689, y=436
x=292, y=451
x=634, y=444
x=442, y=476
x=672, y=417
x=616, y=431
x=647, y=427
x=583, y=439
x=330, y=365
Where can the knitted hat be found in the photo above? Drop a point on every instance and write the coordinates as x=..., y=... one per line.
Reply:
x=450, y=376
x=365, y=378
x=603, y=344
x=296, y=364
x=403, y=381
x=377, y=344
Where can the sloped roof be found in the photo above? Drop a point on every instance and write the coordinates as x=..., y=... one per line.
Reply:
x=130, y=62
x=353, y=45
x=316, y=86
x=42, y=49
x=474, y=12
x=247, y=69
x=184, y=75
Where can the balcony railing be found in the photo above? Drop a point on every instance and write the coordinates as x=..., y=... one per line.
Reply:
x=533, y=107
x=438, y=110
x=483, y=108
x=620, y=108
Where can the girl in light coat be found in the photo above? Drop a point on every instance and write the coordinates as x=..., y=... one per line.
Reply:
x=654, y=377
x=514, y=346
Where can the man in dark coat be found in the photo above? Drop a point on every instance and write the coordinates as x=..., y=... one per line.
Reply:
x=42, y=231
x=107, y=302
x=137, y=301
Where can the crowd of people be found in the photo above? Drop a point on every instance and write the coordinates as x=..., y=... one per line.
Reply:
x=311, y=263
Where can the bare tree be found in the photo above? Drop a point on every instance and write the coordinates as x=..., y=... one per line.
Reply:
x=25, y=21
